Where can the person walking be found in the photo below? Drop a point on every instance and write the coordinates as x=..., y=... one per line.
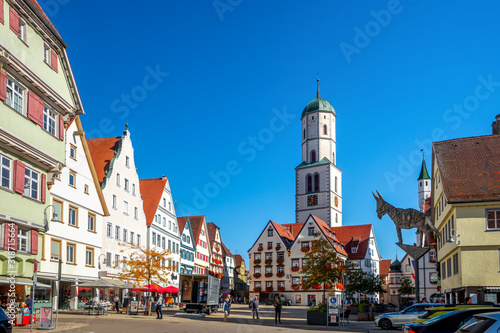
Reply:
x=277, y=310
x=225, y=308
x=255, y=307
x=159, y=303
x=29, y=304
x=117, y=304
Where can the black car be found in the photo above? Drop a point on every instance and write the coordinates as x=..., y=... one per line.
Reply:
x=5, y=324
x=446, y=323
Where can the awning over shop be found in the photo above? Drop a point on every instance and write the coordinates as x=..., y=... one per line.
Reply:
x=24, y=282
x=118, y=283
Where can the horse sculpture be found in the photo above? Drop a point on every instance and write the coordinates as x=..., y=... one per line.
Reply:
x=405, y=218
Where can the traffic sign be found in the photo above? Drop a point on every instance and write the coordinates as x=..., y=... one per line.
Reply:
x=333, y=300
x=35, y=266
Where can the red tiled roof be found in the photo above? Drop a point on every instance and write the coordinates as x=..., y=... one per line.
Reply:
x=329, y=235
x=40, y=11
x=225, y=251
x=352, y=236
x=469, y=168
x=211, y=229
x=384, y=267
x=151, y=191
x=238, y=259
x=282, y=232
x=181, y=222
x=293, y=228
x=196, y=223
x=103, y=151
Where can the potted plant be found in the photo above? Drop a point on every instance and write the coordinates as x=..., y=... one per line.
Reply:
x=305, y=249
x=295, y=286
x=268, y=275
x=280, y=274
x=317, y=286
x=257, y=289
x=280, y=261
x=269, y=261
x=256, y=262
x=269, y=289
x=260, y=248
x=295, y=269
x=281, y=289
x=317, y=315
x=278, y=247
x=256, y=275
x=269, y=247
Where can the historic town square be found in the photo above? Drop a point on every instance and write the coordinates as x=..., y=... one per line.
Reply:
x=249, y=166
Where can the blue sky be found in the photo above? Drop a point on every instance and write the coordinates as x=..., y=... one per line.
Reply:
x=198, y=81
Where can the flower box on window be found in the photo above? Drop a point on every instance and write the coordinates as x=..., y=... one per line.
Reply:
x=280, y=274
x=317, y=286
x=295, y=269
x=269, y=261
x=305, y=249
x=295, y=286
x=328, y=286
x=256, y=262
x=281, y=289
x=280, y=261
x=257, y=289
x=269, y=289
x=268, y=275
x=256, y=275
x=217, y=249
x=278, y=246
x=269, y=247
x=260, y=248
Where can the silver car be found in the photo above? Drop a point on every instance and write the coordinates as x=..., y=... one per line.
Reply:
x=387, y=321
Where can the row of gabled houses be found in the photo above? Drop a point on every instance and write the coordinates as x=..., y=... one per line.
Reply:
x=68, y=203
x=277, y=256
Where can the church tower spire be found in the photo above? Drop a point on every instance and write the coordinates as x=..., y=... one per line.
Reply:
x=424, y=185
x=318, y=179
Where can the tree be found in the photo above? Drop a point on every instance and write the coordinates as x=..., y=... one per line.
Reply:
x=360, y=282
x=323, y=267
x=407, y=287
x=144, y=265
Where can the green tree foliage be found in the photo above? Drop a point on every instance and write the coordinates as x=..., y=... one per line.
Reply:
x=407, y=287
x=358, y=281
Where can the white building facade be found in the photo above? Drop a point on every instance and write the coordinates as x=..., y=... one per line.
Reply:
x=188, y=247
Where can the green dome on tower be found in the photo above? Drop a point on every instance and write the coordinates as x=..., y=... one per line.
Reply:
x=318, y=104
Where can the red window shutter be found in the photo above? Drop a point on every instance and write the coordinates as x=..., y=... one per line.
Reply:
x=35, y=108
x=44, y=186
x=14, y=246
x=61, y=127
x=34, y=242
x=19, y=176
x=1, y=12
x=14, y=21
x=6, y=228
x=53, y=61
x=3, y=84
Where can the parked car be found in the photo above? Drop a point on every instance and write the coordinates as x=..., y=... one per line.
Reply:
x=390, y=320
x=448, y=322
x=269, y=298
x=5, y=324
x=482, y=323
x=434, y=312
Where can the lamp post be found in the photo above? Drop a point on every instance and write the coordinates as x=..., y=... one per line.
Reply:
x=99, y=261
x=54, y=218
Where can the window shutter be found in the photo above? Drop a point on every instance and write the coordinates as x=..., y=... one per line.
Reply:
x=1, y=12
x=3, y=84
x=61, y=127
x=14, y=21
x=19, y=176
x=35, y=108
x=53, y=61
x=14, y=246
x=44, y=186
x=6, y=236
x=34, y=242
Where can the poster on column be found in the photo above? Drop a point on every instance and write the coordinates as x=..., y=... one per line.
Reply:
x=45, y=316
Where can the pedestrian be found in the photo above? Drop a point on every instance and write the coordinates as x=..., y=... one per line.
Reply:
x=117, y=304
x=159, y=314
x=29, y=304
x=255, y=307
x=225, y=308
x=277, y=310
x=468, y=300
x=424, y=300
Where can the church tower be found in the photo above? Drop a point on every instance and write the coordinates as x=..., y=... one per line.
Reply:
x=424, y=185
x=318, y=180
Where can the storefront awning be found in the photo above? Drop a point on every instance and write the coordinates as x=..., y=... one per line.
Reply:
x=118, y=283
x=24, y=282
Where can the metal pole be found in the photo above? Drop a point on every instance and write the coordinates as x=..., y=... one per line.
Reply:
x=417, y=283
x=32, y=304
x=58, y=285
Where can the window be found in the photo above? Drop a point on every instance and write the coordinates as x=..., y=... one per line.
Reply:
x=407, y=268
x=73, y=216
x=295, y=281
x=31, y=179
x=55, y=249
x=114, y=201
x=125, y=207
x=136, y=213
x=86, y=189
x=127, y=161
x=310, y=231
x=125, y=235
x=304, y=244
x=455, y=264
x=433, y=277
x=256, y=270
x=256, y=256
x=5, y=171
x=316, y=182
x=49, y=120
x=269, y=256
x=336, y=184
x=493, y=219
x=72, y=179
x=281, y=269
x=165, y=222
x=154, y=238
x=117, y=232
x=133, y=189
x=164, y=202
x=313, y=156
x=89, y=257
x=91, y=222
x=325, y=129
x=163, y=242
x=15, y=96
x=269, y=245
x=132, y=234
x=109, y=227
x=309, y=183
x=22, y=30
x=295, y=262
x=22, y=240
x=257, y=284
x=448, y=263
x=117, y=259
x=126, y=185
x=280, y=255
x=158, y=240
x=118, y=179
x=70, y=253
x=269, y=269
x=47, y=54
x=432, y=256
x=57, y=209
x=139, y=240
x=108, y=259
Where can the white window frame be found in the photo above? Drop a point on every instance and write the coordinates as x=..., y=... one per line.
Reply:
x=138, y=240
x=125, y=235
x=23, y=234
x=23, y=30
x=118, y=179
x=47, y=54
x=49, y=120
x=127, y=161
x=108, y=259
x=114, y=201
x=92, y=252
x=126, y=185
x=73, y=220
x=133, y=189
x=109, y=230
x=136, y=213
x=68, y=259
x=497, y=219
x=117, y=233
x=6, y=170
x=132, y=237
x=153, y=238
x=30, y=182
x=125, y=207
x=93, y=218
x=16, y=90
x=72, y=152
x=72, y=179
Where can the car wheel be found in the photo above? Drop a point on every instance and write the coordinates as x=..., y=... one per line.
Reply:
x=385, y=324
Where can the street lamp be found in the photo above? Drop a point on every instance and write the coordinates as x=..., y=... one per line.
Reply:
x=54, y=218
x=99, y=261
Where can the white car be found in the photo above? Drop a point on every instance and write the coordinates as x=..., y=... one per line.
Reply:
x=387, y=321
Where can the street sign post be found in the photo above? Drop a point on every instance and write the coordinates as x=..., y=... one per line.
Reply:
x=333, y=311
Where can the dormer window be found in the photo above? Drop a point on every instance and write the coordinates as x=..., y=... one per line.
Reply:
x=354, y=249
x=269, y=232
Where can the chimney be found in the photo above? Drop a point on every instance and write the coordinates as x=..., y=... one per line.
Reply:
x=496, y=125
x=165, y=177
